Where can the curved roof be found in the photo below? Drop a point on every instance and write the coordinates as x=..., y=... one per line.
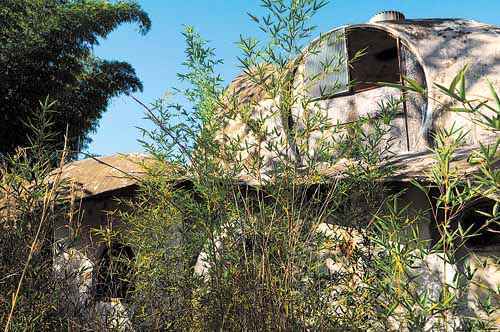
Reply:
x=93, y=176
x=444, y=47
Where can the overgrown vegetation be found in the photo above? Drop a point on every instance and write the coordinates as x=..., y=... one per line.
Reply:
x=29, y=207
x=292, y=226
x=298, y=250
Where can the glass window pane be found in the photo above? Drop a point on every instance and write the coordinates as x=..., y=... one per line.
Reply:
x=326, y=66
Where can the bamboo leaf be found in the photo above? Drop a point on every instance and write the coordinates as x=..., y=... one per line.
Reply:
x=254, y=18
x=494, y=94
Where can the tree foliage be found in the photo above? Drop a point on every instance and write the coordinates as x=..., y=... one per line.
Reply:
x=46, y=50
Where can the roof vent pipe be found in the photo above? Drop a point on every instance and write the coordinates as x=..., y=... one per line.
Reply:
x=389, y=15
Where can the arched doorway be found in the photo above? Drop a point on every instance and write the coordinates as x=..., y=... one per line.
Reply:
x=112, y=278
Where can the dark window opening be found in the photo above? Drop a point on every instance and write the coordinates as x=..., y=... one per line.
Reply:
x=387, y=55
x=112, y=275
x=478, y=220
x=379, y=61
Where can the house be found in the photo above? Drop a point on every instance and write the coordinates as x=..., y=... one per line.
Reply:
x=96, y=187
x=396, y=50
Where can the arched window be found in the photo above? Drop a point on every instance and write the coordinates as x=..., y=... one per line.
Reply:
x=112, y=275
x=351, y=60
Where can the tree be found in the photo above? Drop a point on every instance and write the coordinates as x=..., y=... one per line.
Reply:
x=46, y=50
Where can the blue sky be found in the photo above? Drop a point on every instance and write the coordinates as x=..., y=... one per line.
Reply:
x=157, y=57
